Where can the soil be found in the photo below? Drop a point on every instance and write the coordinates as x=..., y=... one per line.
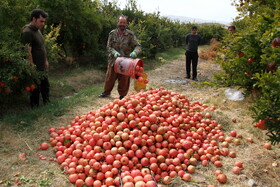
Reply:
x=261, y=166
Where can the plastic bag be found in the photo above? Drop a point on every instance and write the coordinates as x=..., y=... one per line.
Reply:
x=234, y=95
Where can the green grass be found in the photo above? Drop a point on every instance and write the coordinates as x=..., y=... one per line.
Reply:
x=171, y=54
x=59, y=73
x=163, y=57
x=57, y=107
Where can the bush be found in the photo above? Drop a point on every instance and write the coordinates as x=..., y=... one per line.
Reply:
x=80, y=25
x=211, y=52
x=251, y=58
x=267, y=107
x=211, y=30
x=16, y=74
x=54, y=51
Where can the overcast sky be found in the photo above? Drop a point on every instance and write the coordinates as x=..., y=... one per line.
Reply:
x=217, y=10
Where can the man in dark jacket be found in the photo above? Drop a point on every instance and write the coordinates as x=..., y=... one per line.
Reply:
x=192, y=41
x=37, y=55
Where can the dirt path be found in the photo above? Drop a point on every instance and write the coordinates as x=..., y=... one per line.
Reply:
x=172, y=76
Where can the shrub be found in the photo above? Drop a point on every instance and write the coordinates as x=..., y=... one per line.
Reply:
x=15, y=73
x=251, y=57
x=211, y=52
x=267, y=107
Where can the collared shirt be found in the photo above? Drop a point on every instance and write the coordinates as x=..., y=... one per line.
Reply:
x=32, y=36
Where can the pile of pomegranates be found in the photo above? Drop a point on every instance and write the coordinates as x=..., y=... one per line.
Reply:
x=144, y=138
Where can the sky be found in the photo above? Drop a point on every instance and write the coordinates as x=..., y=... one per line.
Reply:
x=214, y=10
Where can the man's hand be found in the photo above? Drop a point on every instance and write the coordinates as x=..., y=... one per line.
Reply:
x=117, y=54
x=133, y=55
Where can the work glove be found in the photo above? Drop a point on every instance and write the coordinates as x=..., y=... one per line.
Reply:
x=133, y=55
x=117, y=54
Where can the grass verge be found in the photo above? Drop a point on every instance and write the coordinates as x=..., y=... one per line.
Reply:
x=58, y=107
x=163, y=57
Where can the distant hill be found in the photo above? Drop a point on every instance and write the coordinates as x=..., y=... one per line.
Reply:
x=184, y=19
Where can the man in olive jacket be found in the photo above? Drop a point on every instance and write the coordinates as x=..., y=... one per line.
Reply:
x=121, y=42
x=37, y=55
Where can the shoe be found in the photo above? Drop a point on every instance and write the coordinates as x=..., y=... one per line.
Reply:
x=103, y=95
x=121, y=97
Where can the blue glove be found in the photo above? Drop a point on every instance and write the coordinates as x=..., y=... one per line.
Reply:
x=133, y=55
x=117, y=54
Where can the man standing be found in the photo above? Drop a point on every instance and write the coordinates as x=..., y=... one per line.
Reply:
x=35, y=46
x=192, y=41
x=121, y=42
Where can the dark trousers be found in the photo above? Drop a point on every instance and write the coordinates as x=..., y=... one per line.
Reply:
x=42, y=87
x=111, y=77
x=191, y=60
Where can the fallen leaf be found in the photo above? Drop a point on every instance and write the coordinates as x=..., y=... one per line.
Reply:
x=16, y=174
x=22, y=156
x=43, y=157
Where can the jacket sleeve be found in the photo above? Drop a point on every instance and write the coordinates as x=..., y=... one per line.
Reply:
x=136, y=44
x=187, y=39
x=110, y=42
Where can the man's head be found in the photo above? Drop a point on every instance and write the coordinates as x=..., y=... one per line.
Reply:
x=122, y=22
x=194, y=29
x=231, y=29
x=38, y=18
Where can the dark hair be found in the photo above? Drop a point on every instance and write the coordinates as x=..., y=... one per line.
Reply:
x=194, y=27
x=36, y=13
x=231, y=27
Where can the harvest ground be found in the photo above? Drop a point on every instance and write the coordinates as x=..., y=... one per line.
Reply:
x=260, y=165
